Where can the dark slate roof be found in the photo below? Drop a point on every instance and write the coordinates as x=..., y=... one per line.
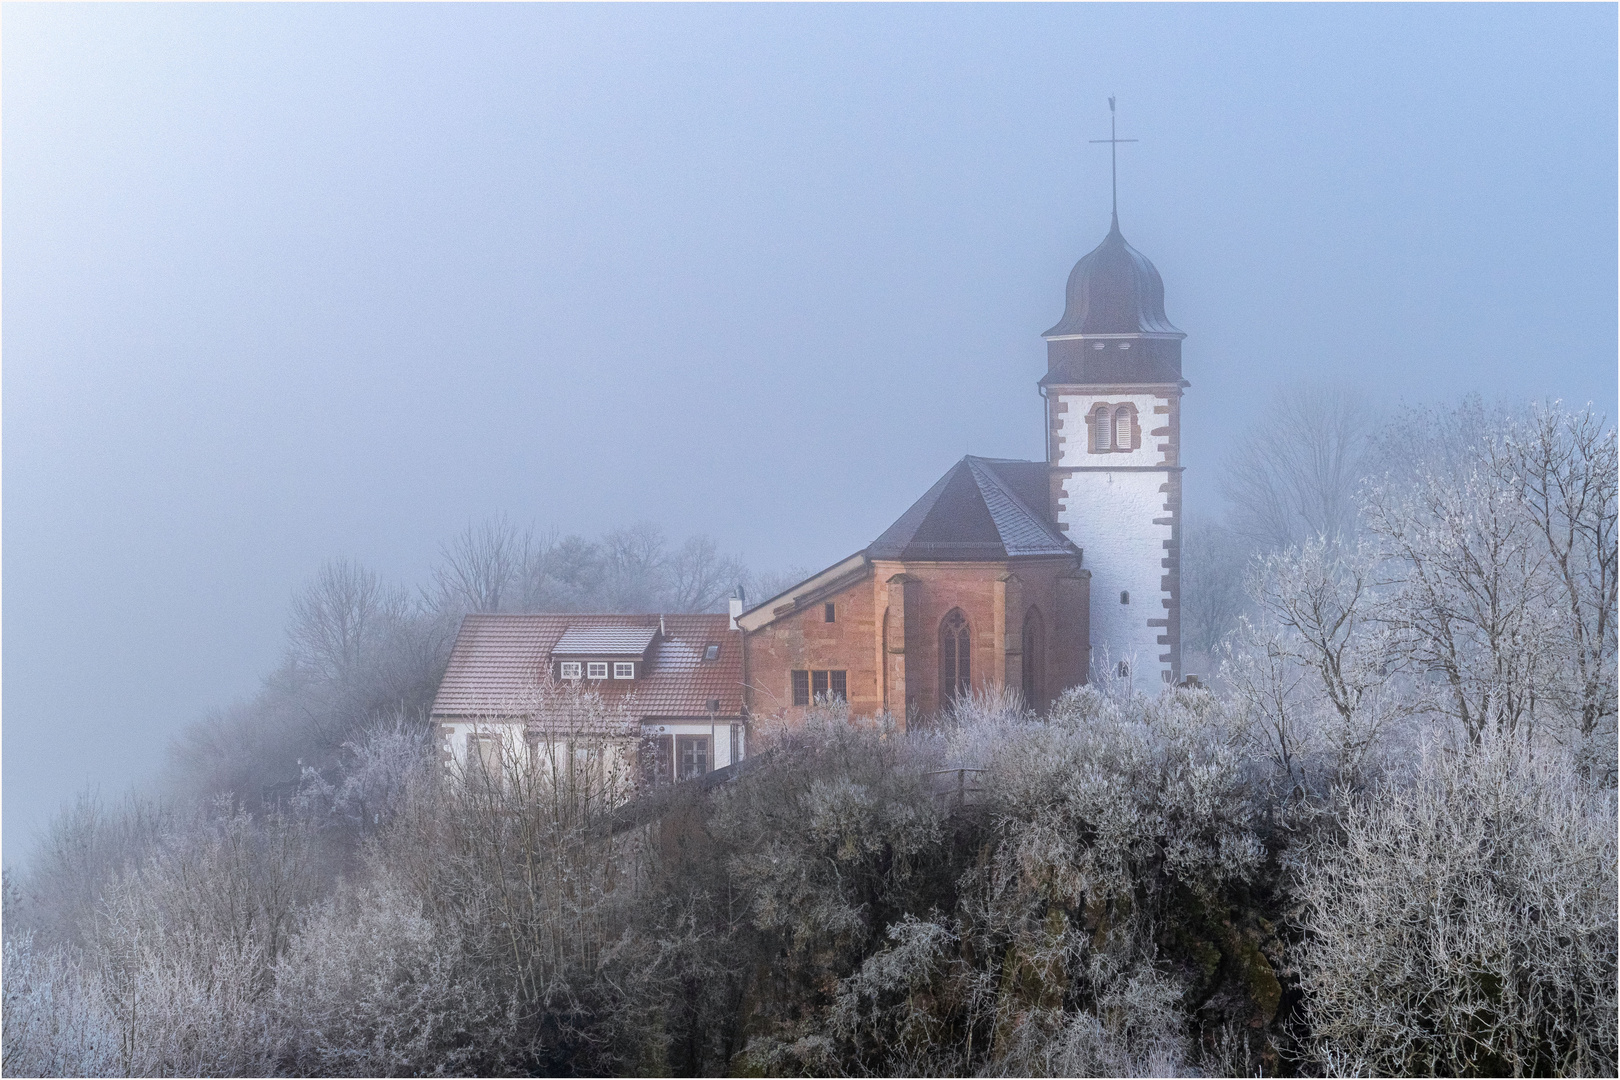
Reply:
x=1079, y=362
x=499, y=660
x=593, y=640
x=977, y=511
x=1114, y=290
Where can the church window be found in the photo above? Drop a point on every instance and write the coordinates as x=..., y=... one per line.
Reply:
x=1125, y=596
x=1099, y=345
x=810, y=687
x=1122, y=429
x=596, y=671
x=1034, y=659
x=624, y=671
x=1124, y=345
x=1124, y=670
x=569, y=669
x=955, y=657
x=827, y=613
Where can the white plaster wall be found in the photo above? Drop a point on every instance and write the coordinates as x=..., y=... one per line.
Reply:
x=1110, y=515
x=511, y=736
x=719, y=738
x=1071, y=424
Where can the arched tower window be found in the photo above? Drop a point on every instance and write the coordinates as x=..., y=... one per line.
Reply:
x=955, y=657
x=1122, y=429
x=1034, y=658
x=1101, y=431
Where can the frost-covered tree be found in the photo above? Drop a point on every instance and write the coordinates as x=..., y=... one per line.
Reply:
x=1463, y=924
x=1312, y=668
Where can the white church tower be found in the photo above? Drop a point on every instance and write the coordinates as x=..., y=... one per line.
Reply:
x=1113, y=390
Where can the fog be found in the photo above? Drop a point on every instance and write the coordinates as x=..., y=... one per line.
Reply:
x=284, y=283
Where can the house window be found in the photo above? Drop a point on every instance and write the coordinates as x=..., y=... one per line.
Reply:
x=813, y=686
x=1124, y=596
x=569, y=669
x=827, y=613
x=484, y=753
x=596, y=671
x=711, y=653
x=691, y=756
x=955, y=657
x=624, y=671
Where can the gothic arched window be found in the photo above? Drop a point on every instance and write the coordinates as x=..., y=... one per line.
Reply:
x=1034, y=657
x=1122, y=429
x=955, y=663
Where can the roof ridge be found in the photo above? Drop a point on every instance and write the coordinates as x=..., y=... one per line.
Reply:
x=982, y=474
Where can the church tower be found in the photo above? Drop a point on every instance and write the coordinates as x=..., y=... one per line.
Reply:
x=1113, y=413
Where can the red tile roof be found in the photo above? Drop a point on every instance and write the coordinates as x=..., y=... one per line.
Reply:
x=499, y=659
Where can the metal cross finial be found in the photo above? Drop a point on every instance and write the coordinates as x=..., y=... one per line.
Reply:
x=1113, y=155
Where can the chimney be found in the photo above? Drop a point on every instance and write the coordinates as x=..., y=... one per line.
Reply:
x=737, y=602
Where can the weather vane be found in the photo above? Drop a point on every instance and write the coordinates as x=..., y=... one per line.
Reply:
x=1113, y=142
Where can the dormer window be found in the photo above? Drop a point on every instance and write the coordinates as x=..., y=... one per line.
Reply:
x=594, y=670
x=711, y=653
x=624, y=671
x=569, y=669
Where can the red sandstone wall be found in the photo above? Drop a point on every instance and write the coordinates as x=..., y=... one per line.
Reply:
x=993, y=596
x=804, y=640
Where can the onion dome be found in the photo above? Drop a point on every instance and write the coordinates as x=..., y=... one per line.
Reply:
x=1114, y=290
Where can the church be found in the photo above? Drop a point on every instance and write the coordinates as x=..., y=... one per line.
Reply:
x=1034, y=576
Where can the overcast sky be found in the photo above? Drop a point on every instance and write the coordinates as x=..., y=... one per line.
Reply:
x=284, y=282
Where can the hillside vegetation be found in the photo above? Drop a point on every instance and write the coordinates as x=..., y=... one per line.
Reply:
x=1382, y=840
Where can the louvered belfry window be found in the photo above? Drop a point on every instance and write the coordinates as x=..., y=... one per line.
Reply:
x=1101, y=430
x=1122, y=429
x=955, y=657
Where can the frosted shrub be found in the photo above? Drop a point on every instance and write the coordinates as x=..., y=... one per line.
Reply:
x=56, y=1022
x=515, y=866
x=183, y=946
x=372, y=987
x=1116, y=797
x=1465, y=924
x=1039, y=953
